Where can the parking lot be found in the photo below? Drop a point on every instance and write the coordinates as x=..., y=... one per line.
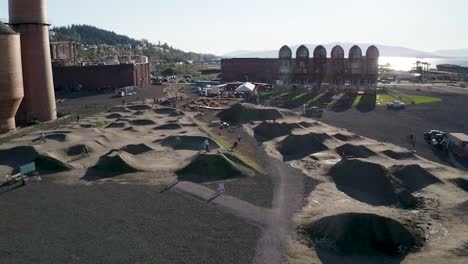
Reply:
x=450, y=115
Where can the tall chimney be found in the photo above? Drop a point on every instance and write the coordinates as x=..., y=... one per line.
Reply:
x=28, y=17
x=11, y=77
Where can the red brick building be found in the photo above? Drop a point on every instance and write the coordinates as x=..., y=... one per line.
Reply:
x=249, y=69
x=307, y=68
x=95, y=77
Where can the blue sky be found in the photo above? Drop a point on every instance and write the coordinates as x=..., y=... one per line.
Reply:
x=216, y=26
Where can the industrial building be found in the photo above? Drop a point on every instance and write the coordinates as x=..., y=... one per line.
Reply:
x=304, y=69
x=27, y=69
x=96, y=77
x=63, y=53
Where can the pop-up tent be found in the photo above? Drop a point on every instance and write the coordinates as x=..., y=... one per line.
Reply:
x=336, y=97
x=246, y=87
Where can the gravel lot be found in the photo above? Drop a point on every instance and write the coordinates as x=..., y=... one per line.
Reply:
x=52, y=223
x=451, y=115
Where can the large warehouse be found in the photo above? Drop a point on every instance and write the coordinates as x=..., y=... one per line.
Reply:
x=357, y=70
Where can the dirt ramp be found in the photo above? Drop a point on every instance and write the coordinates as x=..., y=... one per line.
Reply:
x=210, y=167
x=368, y=182
x=18, y=156
x=244, y=113
x=114, y=116
x=460, y=183
x=399, y=155
x=299, y=146
x=168, y=127
x=116, y=162
x=137, y=149
x=117, y=125
x=77, y=150
x=360, y=235
x=346, y=138
x=140, y=107
x=168, y=111
x=187, y=143
x=50, y=163
x=414, y=177
x=268, y=131
x=142, y=122
x=120, y=110
x=355, y=151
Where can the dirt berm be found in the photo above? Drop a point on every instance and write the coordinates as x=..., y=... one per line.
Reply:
x=356, y=151
x=117, y=161
x=299, y=146
x=414, y=177
x=370, y=183
x=187, y=142
x=268, y=131
x=244, y=113
x=357, y=234
x=22, y=155
x=212, y=167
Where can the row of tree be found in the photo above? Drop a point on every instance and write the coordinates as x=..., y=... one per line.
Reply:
x=91, y=35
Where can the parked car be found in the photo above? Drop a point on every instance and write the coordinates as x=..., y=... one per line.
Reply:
x=428, y=136
x=396, y=105
x=314, y=112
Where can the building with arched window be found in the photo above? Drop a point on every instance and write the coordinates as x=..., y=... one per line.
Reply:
x=338, y=70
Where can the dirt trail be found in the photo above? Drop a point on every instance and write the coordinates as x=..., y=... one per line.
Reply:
x=288, y=197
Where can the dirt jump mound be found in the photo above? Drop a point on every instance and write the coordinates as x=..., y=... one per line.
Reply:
x=168, y=127
x=168, y=111
x=137, y=149
x=346, y=138
x=114, y=116
x=299, y=146
x=361, y=235
x=51, y=164
x=77, y=150
x=117, y=125
x=187, y=143
x=120, y=110
x=398, y=155
x=140, y=107
x=18, y=156
x=369, y=183
x=244, y=113
x=460, y=183
x=414, y=177
x=117, y=162
x=210, y=167
x=349, y=150
x=268, y=131
x=142, y=122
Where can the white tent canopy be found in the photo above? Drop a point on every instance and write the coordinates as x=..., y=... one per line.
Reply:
x=246, y=87
x=336, y=97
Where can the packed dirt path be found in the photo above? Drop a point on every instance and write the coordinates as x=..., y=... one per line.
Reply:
x=288, y=197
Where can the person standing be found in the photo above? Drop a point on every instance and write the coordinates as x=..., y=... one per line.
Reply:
x=207, y=145
x=43, y=138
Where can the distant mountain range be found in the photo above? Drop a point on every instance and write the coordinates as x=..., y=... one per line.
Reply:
x=385, y=51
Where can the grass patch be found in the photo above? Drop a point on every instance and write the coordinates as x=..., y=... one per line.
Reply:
x=253, y=165
x=100, y=124
x=357, y=100
x=299, y=96
x=383, y=99
x=421, y=99
x=316, y=98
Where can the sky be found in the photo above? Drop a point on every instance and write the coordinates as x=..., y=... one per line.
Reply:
x=219, y=27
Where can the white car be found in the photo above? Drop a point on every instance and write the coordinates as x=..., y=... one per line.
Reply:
x=396, y=105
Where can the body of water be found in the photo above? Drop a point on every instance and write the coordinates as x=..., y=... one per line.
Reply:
x=406, y=63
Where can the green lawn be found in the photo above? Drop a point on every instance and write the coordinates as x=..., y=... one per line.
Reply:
x=299, y=96
x=383, y=99
x=357, y=100
x=421, y=99
x=315, y=99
